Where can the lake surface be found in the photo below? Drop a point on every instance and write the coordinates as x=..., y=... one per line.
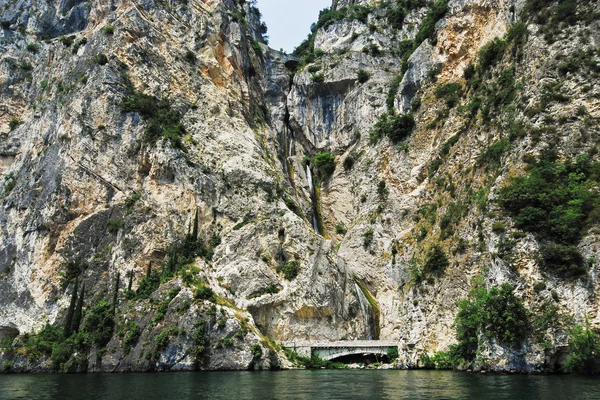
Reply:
x=322, y=384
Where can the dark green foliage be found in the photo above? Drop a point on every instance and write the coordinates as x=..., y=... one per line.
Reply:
x=271, y=288
x=563, y=260
x=257, y=352
x=78, y=44
x=396, y=127
x=67, y=41
x=42, y=343
x=78, y=310
x=14, y=123
x=363, y=75
x=4, y=24
x=148, y=285
x=318, y=78
x=290, y=269
x=33, y=47
x=131, y=335
x=435, y=165
x=200, y=340
x=496, y=313
x=493, y=155
x=163, y=122
x=324, y=163
x=71, y=270
x=205, y=293
x=577, y=61
x=437, y=11
x=490, y=54
x=71, y=311
x=517, y=34
x=395, y=15
x=449, y=144
x=450, y=92
x=130, y=202
x=108, y=30
x=99, y=323
x=382, y=190
x=306, y=50
x=584, y=348
x=554, y=202
x=437, y=261
x=114, y=225
x=101, y=59
x=392, y=353
x=178, y=256
x=116, y=291
x=368, y=237
x=340, y=228
x=566, y=11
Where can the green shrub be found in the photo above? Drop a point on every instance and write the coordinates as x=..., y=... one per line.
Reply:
x=318, y=78
x=101, y=59
x=108, y=30
x=163, y=122
x=131, y=336
x=392, y=354
x=493, y=154
x=33, y=47
x=325, y=163
x=67, y=41
x=205, y=293
x=450, y=92
x=99, y=323
x=4, y=24
x=14, y=123
x=114, y=225
x=554, y=202
x=391, y=96
x=437, y=11
x=563, y=260
x=290, y=269
x=363, y=75
x=368, y=237
x=496, y=313
x=396, y=127
x=584, y=348
x=7, y=366
x=130, y=202
x=437, y=261
x=340, y=228
x=382, y=190
x=395, y=15
x=257, y=352
x=490, y=54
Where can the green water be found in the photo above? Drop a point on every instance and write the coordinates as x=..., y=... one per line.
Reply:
x=299, y=385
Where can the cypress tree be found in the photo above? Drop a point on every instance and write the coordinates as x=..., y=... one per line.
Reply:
x=195, y=229
x=130, y=284
x=69, y=320
x=116, y=293
x=149, y=269
x=78, y=310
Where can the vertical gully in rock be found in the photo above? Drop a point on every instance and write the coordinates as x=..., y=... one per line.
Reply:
x=370, y=311
x=313, y=197
x=287, y=150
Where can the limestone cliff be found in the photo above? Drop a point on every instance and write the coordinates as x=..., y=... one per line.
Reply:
x=216, y=196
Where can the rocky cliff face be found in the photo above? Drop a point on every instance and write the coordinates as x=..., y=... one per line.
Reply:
x=248, y=196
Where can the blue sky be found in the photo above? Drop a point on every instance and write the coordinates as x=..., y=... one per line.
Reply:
x=289, y=20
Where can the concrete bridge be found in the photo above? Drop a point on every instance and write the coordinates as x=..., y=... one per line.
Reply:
x=334, y=350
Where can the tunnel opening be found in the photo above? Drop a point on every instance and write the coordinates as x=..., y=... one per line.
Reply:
x=362, y=358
